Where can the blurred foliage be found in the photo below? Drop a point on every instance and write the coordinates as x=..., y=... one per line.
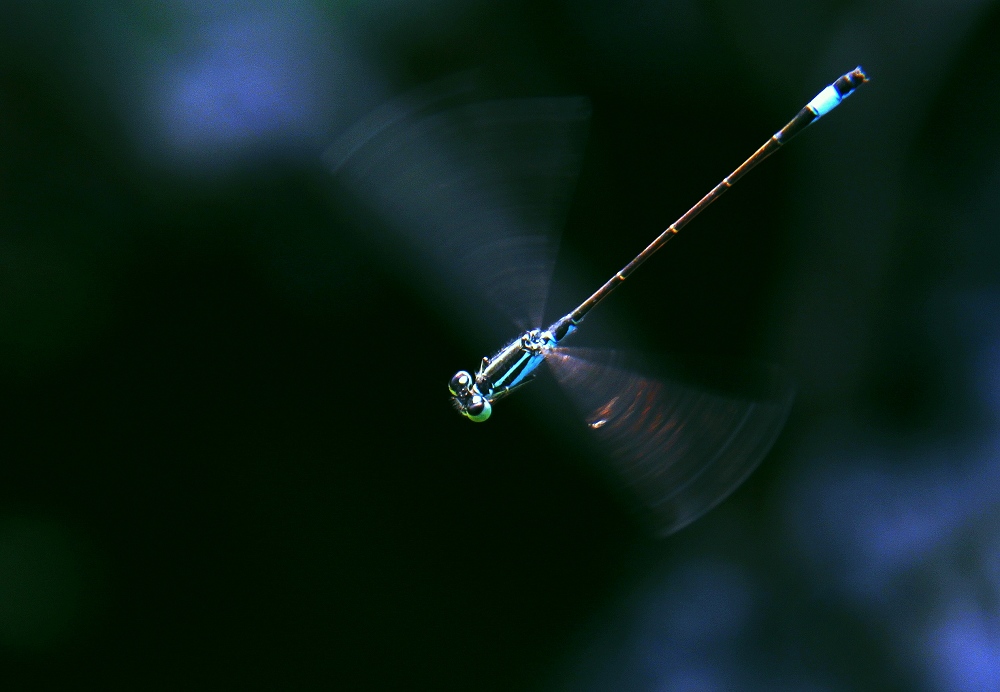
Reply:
x=228, y=459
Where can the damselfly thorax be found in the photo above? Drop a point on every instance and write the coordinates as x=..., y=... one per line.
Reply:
x=507, y=371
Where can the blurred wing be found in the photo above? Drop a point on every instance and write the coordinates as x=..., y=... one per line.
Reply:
x=682, y=438
x=473, y=192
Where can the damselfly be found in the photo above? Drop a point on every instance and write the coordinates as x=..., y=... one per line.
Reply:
x=474, y=191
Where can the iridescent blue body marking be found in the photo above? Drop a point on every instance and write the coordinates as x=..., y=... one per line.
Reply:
x=825, y=101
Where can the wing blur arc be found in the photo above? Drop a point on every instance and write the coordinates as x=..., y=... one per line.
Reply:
x=473, y=194
x=680, y=441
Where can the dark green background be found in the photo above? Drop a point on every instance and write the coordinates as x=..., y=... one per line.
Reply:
x=227, y=460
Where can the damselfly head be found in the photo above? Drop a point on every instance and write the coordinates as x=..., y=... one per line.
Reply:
x=473, y=406
x=467, y=398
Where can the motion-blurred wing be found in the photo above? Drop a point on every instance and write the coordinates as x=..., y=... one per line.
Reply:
x=682, y=438
x=474, y=192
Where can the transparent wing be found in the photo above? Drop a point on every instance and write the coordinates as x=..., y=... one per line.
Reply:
x=474, y=192
x=681, y=437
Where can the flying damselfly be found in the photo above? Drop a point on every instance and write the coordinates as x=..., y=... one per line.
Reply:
x=474, y=190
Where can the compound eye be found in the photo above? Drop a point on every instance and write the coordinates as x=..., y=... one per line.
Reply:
x=459, y=382
x=479, y=409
